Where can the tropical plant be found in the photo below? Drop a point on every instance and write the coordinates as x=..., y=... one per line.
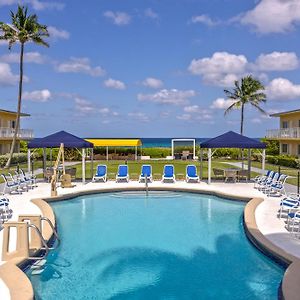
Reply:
x=248, y=91
x=24, y=28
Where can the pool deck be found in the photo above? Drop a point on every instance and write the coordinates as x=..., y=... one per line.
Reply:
x=266, y=219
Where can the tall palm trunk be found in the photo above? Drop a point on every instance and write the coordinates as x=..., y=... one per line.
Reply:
x=17, y=125
x=242, y=119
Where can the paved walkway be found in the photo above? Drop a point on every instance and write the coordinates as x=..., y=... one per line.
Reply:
x=289, y=187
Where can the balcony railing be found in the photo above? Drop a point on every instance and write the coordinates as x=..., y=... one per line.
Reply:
x=284, y=133
x=7, y=133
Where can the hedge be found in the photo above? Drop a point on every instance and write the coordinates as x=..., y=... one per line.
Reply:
x=17, y=158
x=284, y=160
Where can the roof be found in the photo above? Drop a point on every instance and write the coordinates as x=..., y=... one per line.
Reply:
x=115, y=142
x=54, y=140
x=285, y=113
x=14, y=112
x=232, y=139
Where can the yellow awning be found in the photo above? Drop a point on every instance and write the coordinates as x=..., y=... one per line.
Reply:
x=115, y=142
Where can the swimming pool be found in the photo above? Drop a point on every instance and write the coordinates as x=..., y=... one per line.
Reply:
x=165, y=246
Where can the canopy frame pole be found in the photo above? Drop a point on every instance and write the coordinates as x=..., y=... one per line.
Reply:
x=83, y=165
x=28, y=161
x=107, y=153
x=263, y=161
x=172, y=149
x=201, y=163
x=51, y=164
x=249, y=164
x=194, y=149
x=44, y=160
x=209, y=166
x=92, y=162
x=135, y=153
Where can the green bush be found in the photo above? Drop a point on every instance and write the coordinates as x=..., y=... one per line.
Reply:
x=283, y=160
x=272, y=146
x=17, y=158
x=156, y=152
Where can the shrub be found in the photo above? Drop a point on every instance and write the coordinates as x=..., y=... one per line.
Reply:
x=17, y=158
x=283, y=160
x=272, y=146
x=156, y=152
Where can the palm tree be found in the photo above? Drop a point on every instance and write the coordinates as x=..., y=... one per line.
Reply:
x=24, y=28
x=249, y=91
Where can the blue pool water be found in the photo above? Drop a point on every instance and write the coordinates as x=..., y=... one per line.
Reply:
x=166, y=246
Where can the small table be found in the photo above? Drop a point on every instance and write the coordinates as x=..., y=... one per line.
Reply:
x=231, y=173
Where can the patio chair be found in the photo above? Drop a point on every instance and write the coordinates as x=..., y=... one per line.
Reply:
x=242, y=174
x=122, y=174
x=264, y=184
x=185, y=155
x=10, y=186
x=101, y=173
x=168, y=175
x=262, y=178
x=277, y=187
x=48, y=173
x=289, y=204
x=230, y=174
x=30, y=177
x=27, y=183
x=191, y=174
x=146, y=171
x=218, y=173
x=5, y=211
x=293, y=219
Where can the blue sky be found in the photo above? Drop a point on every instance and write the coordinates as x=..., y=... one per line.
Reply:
x=153, y=68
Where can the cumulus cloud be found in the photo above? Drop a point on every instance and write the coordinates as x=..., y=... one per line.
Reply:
x=273, y=16
x=150, y=13
x=277, y=61
x=38, y=95
x=153, y=83
x=184, y=117
x=6, y=76
x=56, y=33
x=118, y=18
x=173, y=96
x=204, y=19
x=221, y=69
x=221, y=103
x=80, y=65
x=139, y=116
x=36, y=4
x=282, y=89
x=29, y=57
x=115, y=84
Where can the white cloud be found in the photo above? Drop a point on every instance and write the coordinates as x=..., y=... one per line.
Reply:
x=153, y=83
x=38, y=95
x=282, y=89
x=115, y=84
x=80, y=65
x=221, y=103
x=36, y=4
x=6, y=76
x=184, y=117
x=202, y=117
x=276, y=16
x=118, y=18
x=221, y=69
x=139, y=116
x=277, y=61
x=56, y=33
x=29, y=57
x=151, y=14
x=204, y=19
x=173, y=96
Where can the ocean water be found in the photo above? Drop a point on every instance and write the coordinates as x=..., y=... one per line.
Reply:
x=126, y=246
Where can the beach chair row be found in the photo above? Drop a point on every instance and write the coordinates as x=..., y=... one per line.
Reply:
x=5, y=211
x=146, y=174
x=272, y=184
x=18, y=182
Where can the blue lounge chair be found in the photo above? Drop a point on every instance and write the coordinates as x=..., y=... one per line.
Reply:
x=122, y=174
x=10, y=185
x=277, y=187
x=5, y=211
x=191, y=174
x=260, y=179
x=101, y=173
x=146, y=171
x=168, y=175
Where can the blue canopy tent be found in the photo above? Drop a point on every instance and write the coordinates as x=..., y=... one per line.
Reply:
x=232, y=139
x=54, y=140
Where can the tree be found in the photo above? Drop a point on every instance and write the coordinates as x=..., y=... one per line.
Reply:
x=24, y=28
x=248, y=91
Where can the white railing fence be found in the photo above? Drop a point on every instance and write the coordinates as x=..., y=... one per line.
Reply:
x=287, y=133
x=22, y=134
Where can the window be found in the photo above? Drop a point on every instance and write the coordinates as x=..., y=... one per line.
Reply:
x=13, y=124
x=285, y=124
x=298, y=149
x=284, y=148
x=299, y=124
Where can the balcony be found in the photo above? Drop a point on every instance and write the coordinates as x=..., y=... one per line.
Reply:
x=284, y=133
x=23, y=134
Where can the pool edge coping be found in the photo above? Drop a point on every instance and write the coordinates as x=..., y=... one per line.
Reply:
x=289, y=288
